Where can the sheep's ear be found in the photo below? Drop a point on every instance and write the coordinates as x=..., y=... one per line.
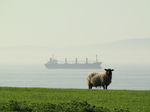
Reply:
x=112, y=69
x=105, y=69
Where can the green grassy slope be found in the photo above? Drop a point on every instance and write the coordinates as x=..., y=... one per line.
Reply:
x=134, y=100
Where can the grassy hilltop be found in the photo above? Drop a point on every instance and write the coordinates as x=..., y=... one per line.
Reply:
x=111, y=99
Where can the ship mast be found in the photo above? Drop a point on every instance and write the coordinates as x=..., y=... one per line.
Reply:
x=66, y=61
x=76, y=61
x=86, y=60
x=96, y=59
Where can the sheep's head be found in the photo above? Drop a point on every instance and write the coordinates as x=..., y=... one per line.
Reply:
x=109, y=71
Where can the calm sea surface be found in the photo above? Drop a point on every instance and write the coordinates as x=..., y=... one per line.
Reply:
x=131, y=78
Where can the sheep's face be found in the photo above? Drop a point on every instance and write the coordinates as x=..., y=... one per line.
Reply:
x=109, y=71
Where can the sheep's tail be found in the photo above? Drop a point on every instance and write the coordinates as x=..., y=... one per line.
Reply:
x=88, y=81
x=90, y=75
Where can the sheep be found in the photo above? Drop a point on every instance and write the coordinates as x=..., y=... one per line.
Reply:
x=100, y=79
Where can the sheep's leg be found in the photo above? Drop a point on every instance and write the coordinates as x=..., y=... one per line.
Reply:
x=106, y=87
x=90, y=87
x=103, y=86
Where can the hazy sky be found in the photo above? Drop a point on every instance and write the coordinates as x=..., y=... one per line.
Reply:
x=63, y=23
x=69, y=23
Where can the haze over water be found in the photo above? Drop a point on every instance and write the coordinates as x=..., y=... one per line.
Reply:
x=32, y=31
x=38, y=76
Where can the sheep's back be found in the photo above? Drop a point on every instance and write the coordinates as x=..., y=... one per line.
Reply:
x=90, y=75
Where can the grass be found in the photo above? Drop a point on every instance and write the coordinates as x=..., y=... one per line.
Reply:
x=135, y=101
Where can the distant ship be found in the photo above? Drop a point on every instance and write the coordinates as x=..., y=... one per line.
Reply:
x=53, y=64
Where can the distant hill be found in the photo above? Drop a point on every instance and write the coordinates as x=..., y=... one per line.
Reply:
x=130, y=51
x=125, y=44
x=127, y=51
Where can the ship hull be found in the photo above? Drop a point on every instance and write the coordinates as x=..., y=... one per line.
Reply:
x=96, y=65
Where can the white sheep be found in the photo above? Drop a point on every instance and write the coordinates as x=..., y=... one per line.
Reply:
x=100, y=79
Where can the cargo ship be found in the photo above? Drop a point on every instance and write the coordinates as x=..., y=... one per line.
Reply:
x=54, y=64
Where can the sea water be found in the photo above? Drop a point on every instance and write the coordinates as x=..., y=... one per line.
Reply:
x=123, y=78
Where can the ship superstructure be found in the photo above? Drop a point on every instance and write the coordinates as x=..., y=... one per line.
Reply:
x=54, y=64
